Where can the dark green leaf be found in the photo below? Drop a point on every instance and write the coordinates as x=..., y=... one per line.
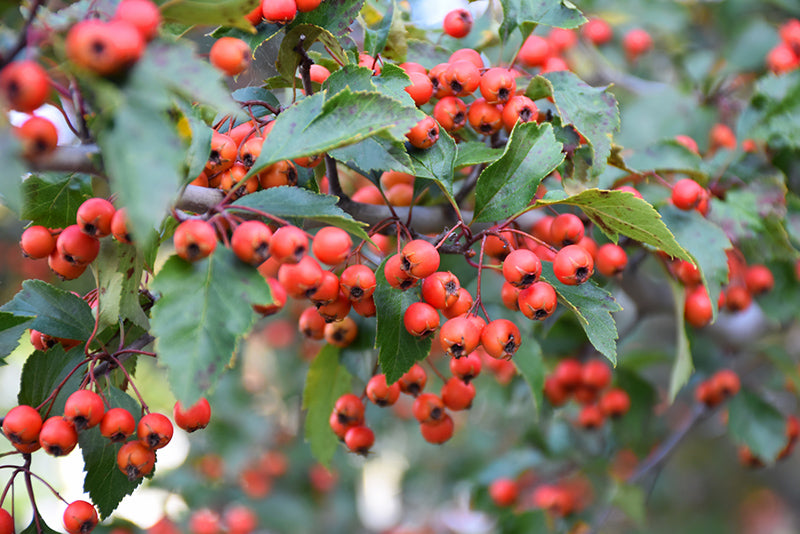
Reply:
x=327, y=380
x=475, y=153
x=43, y=371
x=336, y=16
x=665, y=156
x=706, y=242
x=204, y=310
x=559, y=13
x=393, y=82
x=375, y=38
x=304, y=35
x=119, y=273
x=539, y=87
x=398, y=350
x=506, y=187
x=210, y=12
x=593, y=307
x=54, y=204
x=757, y=424
x=316, y=125
x=34, y=528
x=529, y=363
x=301, y=204
x=620, y=212
x=593, y=111
x=104, y=482
x=11, y=329
x=437, y=163
x=13, y=169
x=377, y=153
x=57, y=312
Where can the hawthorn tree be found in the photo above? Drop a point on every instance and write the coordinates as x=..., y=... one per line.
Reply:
x=579, y=222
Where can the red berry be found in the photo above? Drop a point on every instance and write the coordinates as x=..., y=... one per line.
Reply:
x=250, y=242
x=519, y=108
x=697, y=308
x=413, y=381
x=461, y=306
x=737, y=298
x=451, y=113
x=556, y=393
x=22, y=425
x=721, y=136
x=94, y=217
x=498, y=85
x=439, y=431
x=687, y=194
x=80, y=517
x=84, y=409
x=311, y=323
x=462, y=77
x=331, y=245
x=566, y=229
x=6, y=522
x=66, y=270
x=205, y=521
x=358, y=282
x=759, y=279
x=534, y=51
x=522, y=268
x=428, y=407
x=24, y=86
x=706, y=393
x=194, y=239
x=421, y=88
x=304, y=6
x=380, y=393
x=302, y=279
x=119, y=227
x=76, y=247
x=144, y=15
x=538, y=302
x=569, y=373
x=441, y=289
x=485, y=118
x=457, y=23
x=503, y=492
x=615, y=402
x=240, y=519
x=105, y=48
x=611, y=259
x=279, y=11
x=457, y=394
x=37, y=242
x=467, y=367
x=359, y=439
x=341, y=333
x=154, y=430
x=636, y=42
x=573, y=265
x=278, y=299
x=349, y=409
x=193, y=418
x=501, y=338
x=596, y=374
x=288, y=244
x=424, y=134
x=336, y=310
x=561, y=39
x=597, y=31
x=117, y=424
x=459, y=337
x=58, y=436
x=39, y=136
x=419, y=258
x=726, y=383
x=591, y=417
x=230, y=55
x=421, y=319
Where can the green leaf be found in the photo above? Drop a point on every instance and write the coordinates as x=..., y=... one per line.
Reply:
x=775, y=115
x=666, y=156
x=301, y=204
x=683, y=366
x=529, y=363
x=144, y=159
x=437, y=163
x=327, y=380
x=12, y=327
x=475, y=153
x=593, y=307
x=204, y=311
x=54, y=204
x=375, y=38
x=631, y=500
x=57, y=312
x=757, y=424
x=210, y=12
x=38, y=528
x=393, y=82
x=253, y=37
x=593, y=111
x=288, y=57
x=539, y=87
x=377, y=153
x=706, y=242
x=558, y=13
x=13, y=169
x=506, y=187
x=43, y=371
x=620, y=212
x=119, y=273
x=336, y=16
x=104, y=482
x=526, y=521
x=398, y=350
x=199, y=143
x=316, y=125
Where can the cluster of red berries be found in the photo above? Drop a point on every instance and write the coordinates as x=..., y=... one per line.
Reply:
x=560, y=498
x=721, y=386
x=785, y=56
x=280, y=11
x=235, y=519
x=588, y=383
x=70, y=250
x=792, y=433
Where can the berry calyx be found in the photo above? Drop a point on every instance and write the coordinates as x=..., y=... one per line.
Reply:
x=459, y=337
x=504, y=492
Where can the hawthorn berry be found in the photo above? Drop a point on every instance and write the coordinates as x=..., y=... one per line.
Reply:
x=327, y=290
x=441, y=289
x=615, y=402
x=456, y=394
x=485, y=118
x=591, y=417
x=154, y=430
x=240, y=519
x=94, y=217
x=421, y=319
x=359, y=439
x=250, y=242
x=278, y=299
x=419, y=259
x=305, y=6
x=636, y=42
x=58, y=436
x=37, y=242
x=193, y=418
x=194, y=239
x=311, y=324
x=279, y=11
x=726, y=383
x=336, y=310
x=358, y=282
x=117, y=424
x=462, y=77
x=438, y=432
x=381, y=393
x=597, y=31
x=759, y=279
x=461, y=306
x=105, y=48
x=566, y=229
x=412, y=382
x=555, y=392
x=230, y=55
x=424, y=134
x=288, y=244
x=6, y=522
x=467, y=367
x=596, y=374
x=280, y=173
x=573, y=265
x=331, y=245
x=538, y=302
x=119, y=227
x=421, y=88
x=504, y=492
x=457, y=23
x=24, y=86
x=65, y=269
x=458, y=336
x=697, y=308
x=519, y=108
x=611, y=259
x=428, y=407
x=144, y=15
x=349, y=409
x=22, y=425
x=737, y=298
x=80, y=517
x=500, y=338
x=39, y=136
x=370, y=62
x=522, y=268
x=341, y=333
x=534, y=51
x=687, y=194
x=498, y=85
x=84, y=409
x=451, y=113
x=721, y=136
x=568, y=373
x=301, y=279
x=223, y=153
x=76, y=247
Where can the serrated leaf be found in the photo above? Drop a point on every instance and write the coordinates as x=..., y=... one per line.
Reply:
x=529, y=363
x=144, y=160
x=336, y=16
x=757, y=424
x=43, y=371
x=393, y=82
x=539, y=87
x=57, y=312
x=375, y=38
x=204, y=310
x=288, y=57
x=593, y=307
x=506, y=187
x=683, y=366
x=593, y=111
x=438, y=164
x=13, y=169
x=38, y=528
x=375, y=154
x=316, y=125
x=775, y=115
x=667, y=155
x=210, y=12
x=12, y=327
x=54, y=204
x=620, y=212
x=296, y=203
x=558, y=13
x=706, y=242
x=104, y=482
x=398, y=350
x=119, y=273
x=327, y=380
x=476, y=153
